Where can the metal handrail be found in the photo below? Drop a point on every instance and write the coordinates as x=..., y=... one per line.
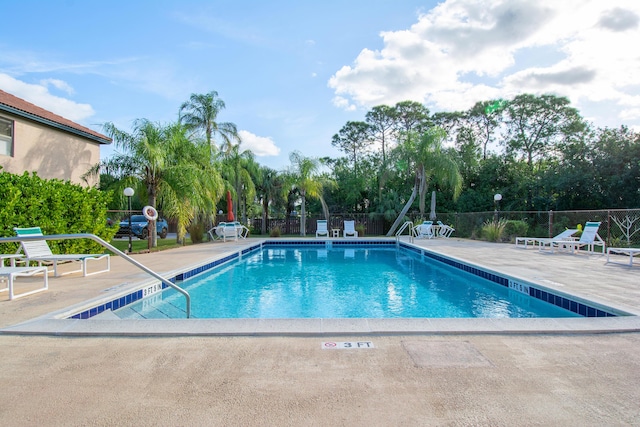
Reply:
x=111, y=248
x=402, y=228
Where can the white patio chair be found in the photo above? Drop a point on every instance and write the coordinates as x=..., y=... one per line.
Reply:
x=39, y=251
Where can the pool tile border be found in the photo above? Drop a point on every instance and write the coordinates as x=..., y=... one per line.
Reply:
x=572, y=304
x=566, y=302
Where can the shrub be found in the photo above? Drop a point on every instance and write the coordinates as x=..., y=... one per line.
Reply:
x=515, y=228
x=196, y=232
x=360, y=228
x=493, y=231
x=275, y=232
x=57, y=207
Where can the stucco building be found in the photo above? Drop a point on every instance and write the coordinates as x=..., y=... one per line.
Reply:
x=36, y=140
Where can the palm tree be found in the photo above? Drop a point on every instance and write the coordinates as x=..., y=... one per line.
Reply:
x=192, y=194
x=427, y=160
x=269, y=187
x=159, y=162
x=302, y=175
x=200, y=114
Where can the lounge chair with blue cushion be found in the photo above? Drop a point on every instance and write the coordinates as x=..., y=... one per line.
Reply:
x=350, y=229
x=39, y=251
x=542, y=242
x=321, y=228
x=589, y=239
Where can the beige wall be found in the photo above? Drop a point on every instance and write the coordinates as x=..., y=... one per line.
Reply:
x=50, y=153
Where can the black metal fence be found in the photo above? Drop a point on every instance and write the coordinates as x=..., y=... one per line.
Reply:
x=619, y=227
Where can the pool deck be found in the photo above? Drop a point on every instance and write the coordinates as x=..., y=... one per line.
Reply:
x=420, y=372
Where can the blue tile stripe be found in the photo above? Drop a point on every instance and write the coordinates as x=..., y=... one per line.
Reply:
x=544, y=295
x=534, y=292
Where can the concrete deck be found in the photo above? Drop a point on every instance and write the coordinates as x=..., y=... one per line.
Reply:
x=415, y=377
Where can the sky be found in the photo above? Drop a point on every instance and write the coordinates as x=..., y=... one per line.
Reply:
x=292, y=73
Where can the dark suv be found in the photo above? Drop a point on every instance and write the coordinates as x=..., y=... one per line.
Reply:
x=139, y=227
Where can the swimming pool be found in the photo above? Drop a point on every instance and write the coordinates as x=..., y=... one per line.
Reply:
x=344, y=281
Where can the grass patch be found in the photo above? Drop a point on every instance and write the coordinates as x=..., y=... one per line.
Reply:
x=139, y=246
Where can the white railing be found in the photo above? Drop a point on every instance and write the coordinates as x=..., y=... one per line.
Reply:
x=406, y=225
x=112, y=249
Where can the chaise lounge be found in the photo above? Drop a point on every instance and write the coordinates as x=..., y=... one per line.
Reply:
x=542, y=242
x=321, y=228
x=589, y=239
x=350, y=229
x=39, y=251
x=424, y=230
x=12, y=272
x=623, y=251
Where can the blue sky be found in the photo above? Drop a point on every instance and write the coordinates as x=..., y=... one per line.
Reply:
x=292, y=73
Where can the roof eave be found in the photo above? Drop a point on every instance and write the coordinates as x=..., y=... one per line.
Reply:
x=54, y=124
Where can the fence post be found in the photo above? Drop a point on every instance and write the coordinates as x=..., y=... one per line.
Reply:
x=550, y=223
x=608, y=239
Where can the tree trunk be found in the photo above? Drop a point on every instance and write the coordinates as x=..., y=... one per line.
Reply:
x=422, y=190
x=325, y=208
x=265, y=214
x=152, y=239
x=404, y=211
x=303, y=216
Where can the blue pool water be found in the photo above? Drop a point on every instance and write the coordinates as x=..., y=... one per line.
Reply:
x=289, y=282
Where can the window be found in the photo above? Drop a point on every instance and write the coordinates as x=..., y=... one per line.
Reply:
x=6, y=137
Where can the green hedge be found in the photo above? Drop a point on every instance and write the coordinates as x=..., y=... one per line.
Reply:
x=57, y=207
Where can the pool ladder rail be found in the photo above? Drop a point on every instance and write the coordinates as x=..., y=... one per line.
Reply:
x=407, y=225
x=112, y=249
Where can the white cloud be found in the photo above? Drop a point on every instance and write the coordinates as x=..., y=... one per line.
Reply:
x=40, y=96
x=464, y=51
x=260, y=146
x=58, y=84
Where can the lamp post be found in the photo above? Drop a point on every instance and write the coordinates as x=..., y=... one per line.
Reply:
x=129, y=192
x=496, y=203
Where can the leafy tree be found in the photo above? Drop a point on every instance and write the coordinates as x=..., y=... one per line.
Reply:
x=450, y=123
x=354, y=138
x=537, y=124
x=411, y=116
x=482, y=120
x=381, y=120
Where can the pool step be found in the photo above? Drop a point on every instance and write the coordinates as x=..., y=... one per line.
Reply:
x=168, y=311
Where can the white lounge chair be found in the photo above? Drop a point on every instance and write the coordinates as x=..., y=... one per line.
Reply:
x=321, y=228
x=231, y=230
x=424, y=230
x=39, y=251
x=445, y=230
x=542, y=242
x=216, y=232
x=623, y=251
x=12, y=272
x=589, y=239
x=350, y=229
